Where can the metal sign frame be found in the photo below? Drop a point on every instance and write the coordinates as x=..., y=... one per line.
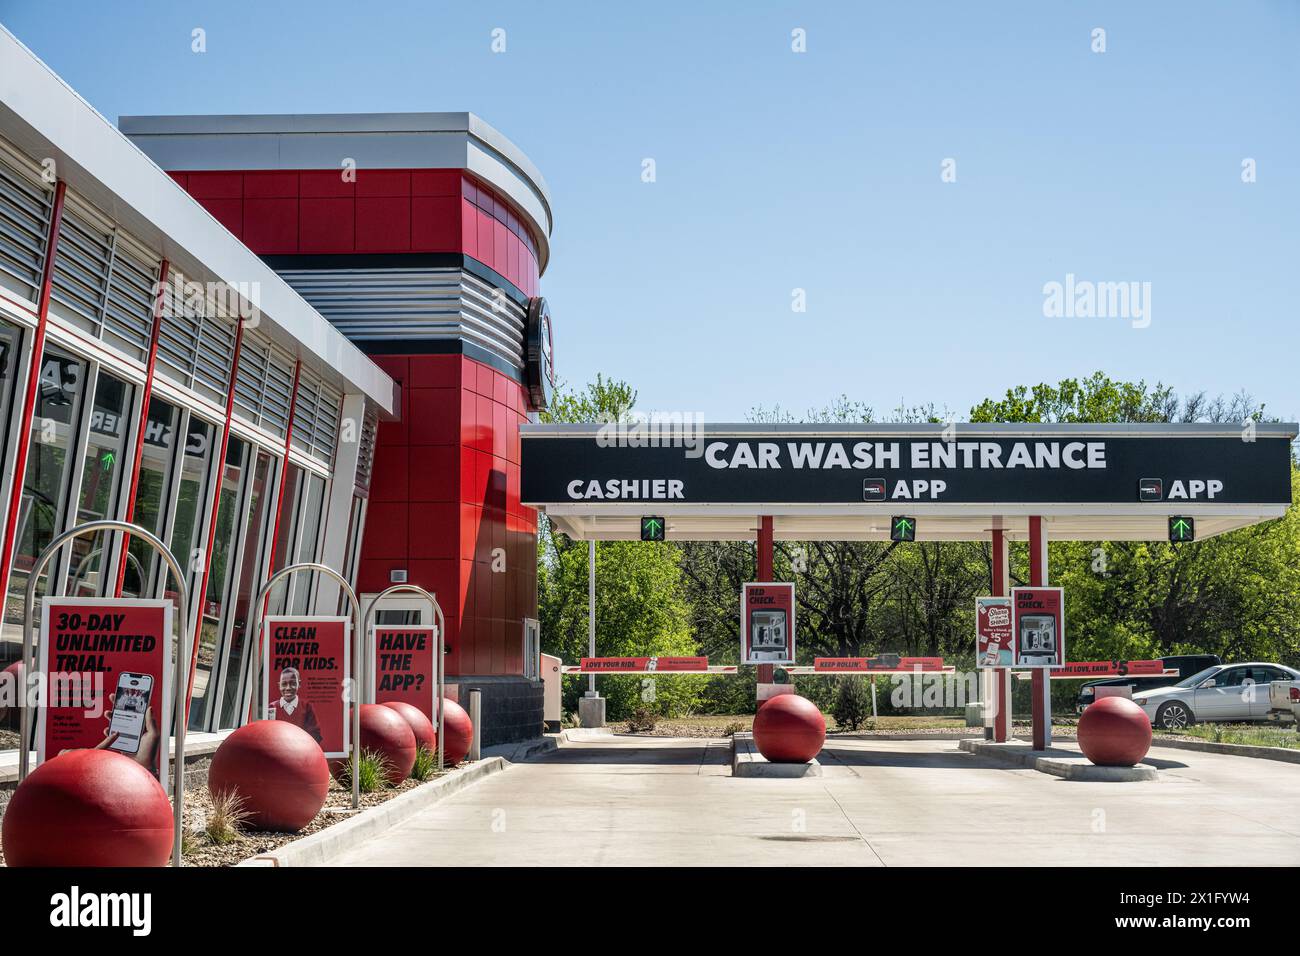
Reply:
x=180, y=679
x=440, y=625
x=255, y=669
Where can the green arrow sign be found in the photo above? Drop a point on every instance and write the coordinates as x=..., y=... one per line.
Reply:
x=902, y=528
x=1182, y=529
x=652, y=529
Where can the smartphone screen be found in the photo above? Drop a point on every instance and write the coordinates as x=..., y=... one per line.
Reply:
x=134, y=693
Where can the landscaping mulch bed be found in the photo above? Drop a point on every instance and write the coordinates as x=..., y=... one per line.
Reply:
x=200, y=851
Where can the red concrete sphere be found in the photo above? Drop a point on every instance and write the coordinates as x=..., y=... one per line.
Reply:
x=386, y=732
x=421, y=726
x=1114, y=732
x=458, y=732
x=789, y=729
x=279, y=771
x=88, y=808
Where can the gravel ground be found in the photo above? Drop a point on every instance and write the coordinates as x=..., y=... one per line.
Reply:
x=202, y=852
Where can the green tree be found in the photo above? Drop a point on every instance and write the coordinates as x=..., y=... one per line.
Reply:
x=641, y=609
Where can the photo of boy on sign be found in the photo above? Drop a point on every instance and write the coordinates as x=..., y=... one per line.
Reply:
x=292, y=708
x=305, y=677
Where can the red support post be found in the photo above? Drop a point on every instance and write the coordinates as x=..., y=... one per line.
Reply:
x=24, y=442
x=212, y=521
x=1001, y=675
x=1042, y=702
x=164, y=271
x=764, y=571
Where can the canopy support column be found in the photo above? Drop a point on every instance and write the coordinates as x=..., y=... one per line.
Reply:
x=1000, y=698
x=591, y=611
x=766, y=672
x=1042, y=687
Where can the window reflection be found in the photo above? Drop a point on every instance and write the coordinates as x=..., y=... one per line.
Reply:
x=249, y=582
x=223, y=548
x=152, y=496
x=45, y=486
x=101, y=479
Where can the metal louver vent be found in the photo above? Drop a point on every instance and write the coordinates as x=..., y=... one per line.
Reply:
x=406, y=304
x=83, y=259
x=366, y=450
x=263, y=383
x=196, y=348
x=104, y=280
x=316, y=418
x=25, y=210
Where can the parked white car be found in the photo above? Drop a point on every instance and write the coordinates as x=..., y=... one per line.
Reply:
x=1225, y=692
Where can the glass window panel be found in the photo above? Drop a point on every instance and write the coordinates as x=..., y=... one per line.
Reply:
x=245, y=592
x=284, y=535
x=308, y=543
x=10, y=342
x=41, y=515
x=223, y=550
x=153, y=494
x=101, y=481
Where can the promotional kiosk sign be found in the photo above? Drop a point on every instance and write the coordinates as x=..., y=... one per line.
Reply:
x=637, y=665
x=767, y=623
x=1112, y=669
x=994, y=642
x=1039, y=617
x=306, y=673
x=108, y=679
x=405, y=667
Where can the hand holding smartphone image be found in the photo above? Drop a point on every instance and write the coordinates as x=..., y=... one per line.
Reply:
x=130, y=706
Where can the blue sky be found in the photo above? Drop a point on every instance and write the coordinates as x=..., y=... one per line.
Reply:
x=819, y=171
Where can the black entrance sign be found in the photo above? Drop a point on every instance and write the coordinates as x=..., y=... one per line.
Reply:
x=1169, y=470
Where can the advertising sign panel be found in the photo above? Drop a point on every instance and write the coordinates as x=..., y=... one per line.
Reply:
x=635, y=665
x=767, y=623
x=405, y=666
x=1112, y=669
x=305, y=677
x=994, y=643
x=106, y=663
x=882, y=665
x=1039, y=618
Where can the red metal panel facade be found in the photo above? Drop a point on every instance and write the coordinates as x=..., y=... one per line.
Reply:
x=319, y=212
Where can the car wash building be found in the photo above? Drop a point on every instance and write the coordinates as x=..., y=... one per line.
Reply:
x=348, y=336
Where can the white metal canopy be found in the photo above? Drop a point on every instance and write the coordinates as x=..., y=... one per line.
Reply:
x=938, y=520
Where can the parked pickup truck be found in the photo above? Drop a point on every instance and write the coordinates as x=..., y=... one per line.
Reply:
x=1284, y=698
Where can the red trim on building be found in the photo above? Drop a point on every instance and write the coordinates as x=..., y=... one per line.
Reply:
x=212, y=522
x=33, y=387
x=164, y=271
x=279, y=512
x=384, y=211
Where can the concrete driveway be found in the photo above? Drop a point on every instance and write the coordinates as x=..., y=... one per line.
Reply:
x=672, y=802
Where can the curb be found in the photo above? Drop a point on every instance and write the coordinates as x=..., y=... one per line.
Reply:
x=1233, y=750
x=1066, y=767
x=746, y=761
x=318, y=848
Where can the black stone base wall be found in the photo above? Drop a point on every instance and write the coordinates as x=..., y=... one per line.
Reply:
x=512, y=707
